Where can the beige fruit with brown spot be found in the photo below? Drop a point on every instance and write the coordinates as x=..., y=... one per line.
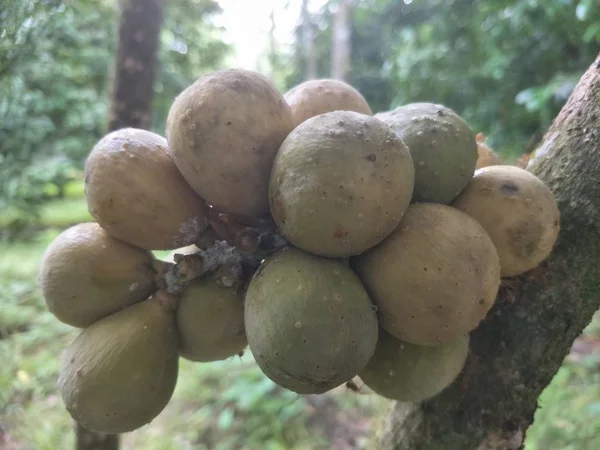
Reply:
x=87, y=274
x=517, y=210
x=210, y=321
x=340, y=183
x=434, y=278
x=136, y=193
x=315, y=97
x=225, y=130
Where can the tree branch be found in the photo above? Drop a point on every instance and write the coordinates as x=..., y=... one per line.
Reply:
x=520, y=346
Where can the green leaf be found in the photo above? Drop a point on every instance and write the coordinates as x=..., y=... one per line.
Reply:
x=225, y=419
x=592, y=33
x=594, y=408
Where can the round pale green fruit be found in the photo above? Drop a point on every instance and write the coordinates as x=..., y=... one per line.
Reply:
x=442, y=146
x=210, y=321
x=310, y=323
x=121, y=371
x=517, y=210
x=86, y=274
x=340, y=184
x=314, y=97
x=434, y=278
x=411, y=373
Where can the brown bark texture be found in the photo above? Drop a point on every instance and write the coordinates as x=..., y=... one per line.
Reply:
x=136, y=64
x=131, y=106
x=89, y=440
x=519, y=347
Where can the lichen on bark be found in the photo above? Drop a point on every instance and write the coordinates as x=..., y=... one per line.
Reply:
x=519, y=347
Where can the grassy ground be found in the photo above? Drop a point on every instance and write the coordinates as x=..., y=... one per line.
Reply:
x=227, y=405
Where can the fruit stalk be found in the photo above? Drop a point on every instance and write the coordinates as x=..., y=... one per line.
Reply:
x=233, y=264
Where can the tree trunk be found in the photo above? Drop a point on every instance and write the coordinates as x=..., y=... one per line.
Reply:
x=521, y=344
x=273, y=50
x=131, y=106
x=89, y=440
x=136, y=62
x=308, y=43
x=340, y=50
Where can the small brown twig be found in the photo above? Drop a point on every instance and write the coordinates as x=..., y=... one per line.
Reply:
x=233, y=262
x=168, y=302
x=207, y=238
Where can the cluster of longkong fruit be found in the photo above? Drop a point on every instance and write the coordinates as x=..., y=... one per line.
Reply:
x=334, y=242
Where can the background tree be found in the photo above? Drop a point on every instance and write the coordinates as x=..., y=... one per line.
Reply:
x=506, y=66
x=308, y=49
x=136, y=64
x=340, y=44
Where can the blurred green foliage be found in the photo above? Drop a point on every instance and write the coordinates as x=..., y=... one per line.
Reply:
x=569, y=413
x=56, y=61
x=506, y=66
x=50, y=99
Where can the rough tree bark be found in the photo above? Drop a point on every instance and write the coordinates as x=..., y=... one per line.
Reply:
x=340, y=48
x=131, y=106
x=136, y=62
x=520, y=346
